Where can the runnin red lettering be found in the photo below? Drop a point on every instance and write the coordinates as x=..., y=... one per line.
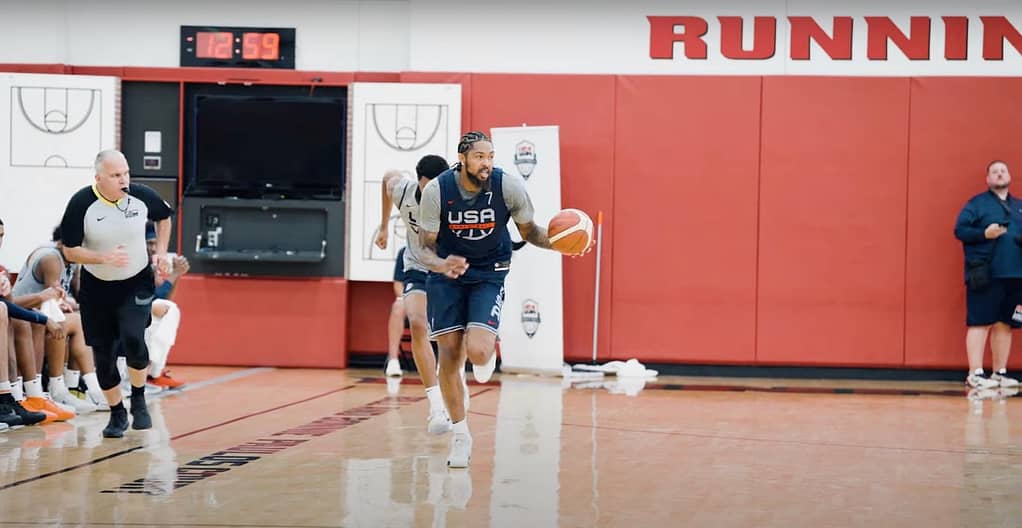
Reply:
x=833, y=36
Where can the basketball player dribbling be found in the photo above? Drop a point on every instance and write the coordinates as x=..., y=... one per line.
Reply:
x=465, y=245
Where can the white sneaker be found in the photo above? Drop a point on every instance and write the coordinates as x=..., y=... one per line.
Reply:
x=4, y=427
x=439, y=421
x=483, y=373
x=978, y=381
x=77, y=405
x=461, y=451
x=63, y=406
x=98, y=400
x=1002, y=379
x=394, y=368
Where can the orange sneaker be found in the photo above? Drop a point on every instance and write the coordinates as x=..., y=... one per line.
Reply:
x=49, y=408
x=166, y=381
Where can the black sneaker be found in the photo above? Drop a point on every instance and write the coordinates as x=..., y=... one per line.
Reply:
x=118, y=423
x=8, y=416
x=140, y=415
x=27, y=417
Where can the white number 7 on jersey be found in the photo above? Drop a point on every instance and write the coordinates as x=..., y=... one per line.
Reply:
x=489, y=197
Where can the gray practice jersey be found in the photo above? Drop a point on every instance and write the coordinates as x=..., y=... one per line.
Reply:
x=515, y=196
x=94, y=223
x=403, y=196
x=30, y=280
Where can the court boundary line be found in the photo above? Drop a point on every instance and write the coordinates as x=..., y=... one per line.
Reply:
x=724, y=387
x=104, y=458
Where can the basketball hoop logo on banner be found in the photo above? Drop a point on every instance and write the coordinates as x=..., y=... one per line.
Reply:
x=525, y=158
x=530, y=317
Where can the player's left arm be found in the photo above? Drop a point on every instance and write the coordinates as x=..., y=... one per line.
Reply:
x=522, y=212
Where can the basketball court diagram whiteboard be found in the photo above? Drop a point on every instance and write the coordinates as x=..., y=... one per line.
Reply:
x=392, y=126
x=55, y=127
x=51, y=127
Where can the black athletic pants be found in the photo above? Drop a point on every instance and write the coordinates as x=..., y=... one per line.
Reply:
x=115, y=315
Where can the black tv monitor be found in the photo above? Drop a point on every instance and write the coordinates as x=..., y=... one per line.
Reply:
x=266, y=146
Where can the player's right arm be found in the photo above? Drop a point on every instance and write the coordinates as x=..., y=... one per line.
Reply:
x=453, y=266
x=390, y=180
x=50, y=269
x=429, y=228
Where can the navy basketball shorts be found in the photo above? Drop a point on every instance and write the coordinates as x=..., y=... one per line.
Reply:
x=994, y=304
x=415, y=282
x=473, y=300
x=399, y=266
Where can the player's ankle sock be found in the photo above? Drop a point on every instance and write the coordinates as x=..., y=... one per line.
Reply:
x=72, y=377
x=435, y=397
x=17, y=391
x=5, y=387
x=34, y=388
x=119, y=407
x=460, y=427
x=137, y=392
x=92, y=384
x=57, y=385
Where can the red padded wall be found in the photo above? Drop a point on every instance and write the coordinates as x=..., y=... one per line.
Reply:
x=35, y=68
x=369, y=304
x=583, y=107
x=958, y=126
x=261, y=322
x=686, y=165
x=832, y=221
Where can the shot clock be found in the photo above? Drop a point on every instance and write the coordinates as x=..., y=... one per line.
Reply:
x=237, y=47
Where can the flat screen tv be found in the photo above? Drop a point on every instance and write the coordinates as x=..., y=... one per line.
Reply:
x=262, y=147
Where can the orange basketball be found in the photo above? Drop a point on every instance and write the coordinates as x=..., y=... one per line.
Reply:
x=570, y=231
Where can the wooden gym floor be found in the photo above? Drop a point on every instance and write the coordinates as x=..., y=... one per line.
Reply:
x=303, y=448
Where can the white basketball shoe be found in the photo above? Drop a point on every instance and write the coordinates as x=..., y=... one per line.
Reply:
x=439, y=421
x=1001, y=377
x=461, y=451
